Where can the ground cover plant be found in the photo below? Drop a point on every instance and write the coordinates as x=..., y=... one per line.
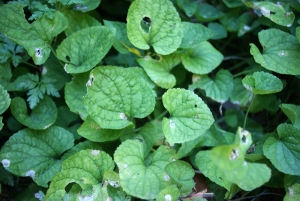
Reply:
x=149, y=100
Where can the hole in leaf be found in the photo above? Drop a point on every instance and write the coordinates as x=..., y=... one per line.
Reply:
x=74, y=185
x=234, y=154
x=244, y=139
x=146, y=24
x=195, y=105
x=68, y=58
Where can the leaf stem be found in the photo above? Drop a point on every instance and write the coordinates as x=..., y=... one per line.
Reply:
x=246, y=116
x=238, y=65
x=29, y=64
x=244, y=72
x=161, y=115
x=52, y=50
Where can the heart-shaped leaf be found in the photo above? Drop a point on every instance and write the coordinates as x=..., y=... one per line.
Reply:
x=292, y=112
x=138, y=178
x=116, y=95
x=280, y=52
x=189, y=116
x=154, y=23
x=84, y=49
x=35, y=153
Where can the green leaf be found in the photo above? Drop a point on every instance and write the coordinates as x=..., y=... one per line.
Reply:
x=84, y=49
x=116, y=95
x=239, y=95
x=219, y=29
x=202, y=59
x=49, y=28
x=244, y=24
x=210, y=170
x=78, y=20
x=233, y=3
x=159, y=70
x=4, y=99
x=230, y=160
x=81, y=146
x=35, y=153
x=230, y=21
x=156, y=24
x=182, y=173
x=207, y=13
x=280, y=52
x=85, y=168
x=121, y=38
x=92, y=131
x=1, y=124
x=262, y=83
x=219, y=88
x=14, y=25
x=189, y=7
x=189, y=116
x=74, y=92
x=292, y=112
x=279, y=13
x=194, y=34
x=139, y=179
x=283, y=150
x=171, y=193
x=293, y=193
x=87, y=5
x=41, y=117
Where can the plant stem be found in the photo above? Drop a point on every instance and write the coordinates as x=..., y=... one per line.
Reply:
x=243, y=72
x=161, y=115
x=238, y=65
x=29, y=64
x=52, y=50
x=246, y=116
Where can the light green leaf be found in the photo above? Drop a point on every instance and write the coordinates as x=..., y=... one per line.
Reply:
x=207, y=13
x=74, y=92
x=219, y=88
x=283, y=150
x=280, y=52
x=240, y=96
x=139, y=179
x=49, y=28
x=292, y=112
x=155, y=23
x=87, y=5
x=159, y=70
x=81, y=146
x=279, y=13
x=219, y=29
x=14, y=25
x=194, y=34
x=112, y=178
x=121, y=37
x=262, y=83
x=92, y=131
x=35, y=153
x=85, y=168
x=42, y=116
x=84, y=49
x=210, y=170
x=293, y=193
x=202, y=59
x=189, y=116
x=4, y=99
x=116, y=95
x=230, y=160
x=171, y=193
x=182, y=173
x=78, y=20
